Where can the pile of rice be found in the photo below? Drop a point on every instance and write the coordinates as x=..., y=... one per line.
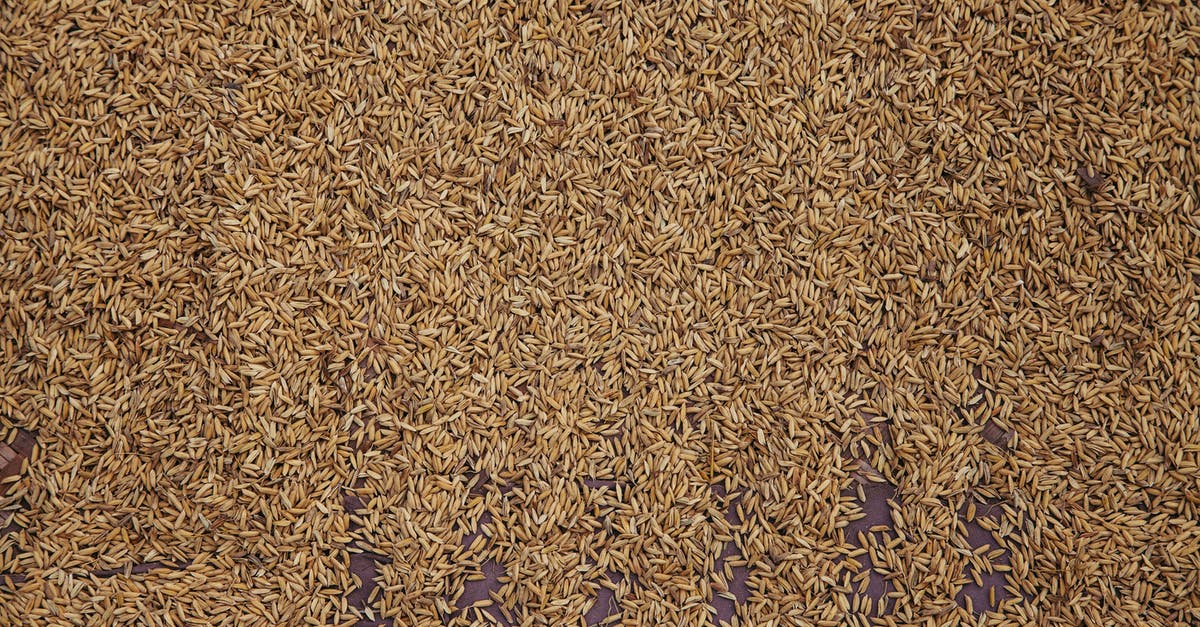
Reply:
x=549, y=313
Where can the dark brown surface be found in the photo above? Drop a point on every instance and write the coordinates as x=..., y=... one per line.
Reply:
x=13, y=454
x=12, y=458
x=731, y=571
x=8, y=459
x=476, y=601
x=991, y=584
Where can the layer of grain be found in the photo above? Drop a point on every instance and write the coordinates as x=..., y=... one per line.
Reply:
x=609, y=298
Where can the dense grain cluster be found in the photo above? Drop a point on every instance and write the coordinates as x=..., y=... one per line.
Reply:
x=420, y=313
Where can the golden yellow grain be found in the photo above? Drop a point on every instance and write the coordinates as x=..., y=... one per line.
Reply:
x=803, y=313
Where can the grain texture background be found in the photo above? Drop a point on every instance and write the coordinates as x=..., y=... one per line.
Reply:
x=554, y=313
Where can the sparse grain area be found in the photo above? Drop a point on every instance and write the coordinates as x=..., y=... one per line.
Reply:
x=553, y=313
